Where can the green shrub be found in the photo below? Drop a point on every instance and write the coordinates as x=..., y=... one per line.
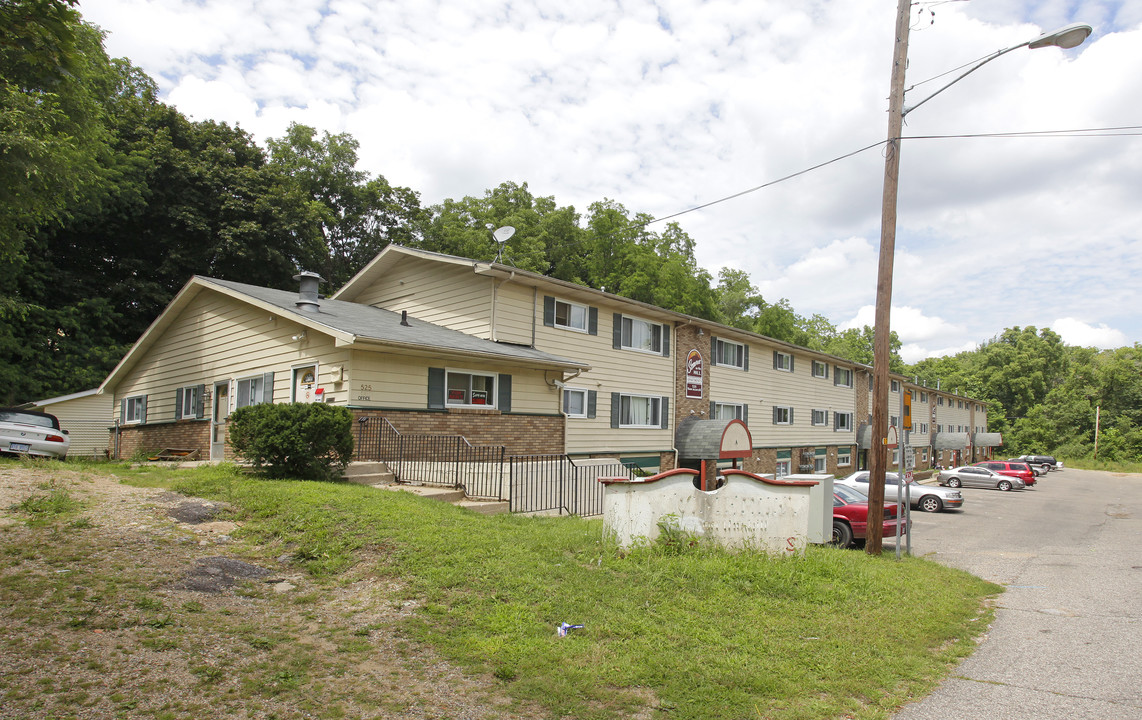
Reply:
x=307, y=440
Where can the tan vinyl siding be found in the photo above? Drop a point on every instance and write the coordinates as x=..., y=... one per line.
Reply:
x=387, y=380
x=86, y=420
x=217, y=338
x=516, y=311
x=762, y=387
x=623, y=371
x=441, y=294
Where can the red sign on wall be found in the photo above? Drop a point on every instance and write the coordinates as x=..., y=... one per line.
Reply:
x=694, y=375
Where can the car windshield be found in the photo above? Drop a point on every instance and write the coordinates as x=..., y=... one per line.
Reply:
x=849, y=494
x=22, y=418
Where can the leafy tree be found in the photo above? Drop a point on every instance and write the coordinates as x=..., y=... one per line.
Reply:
x=858, y=345
x=337, y=207
x=54, y=82
x=739, y=302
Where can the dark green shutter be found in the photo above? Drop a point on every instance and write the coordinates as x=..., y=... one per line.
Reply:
x=548, y=311
x=745, y=357
x=178, y=404
x=664, y=419
x=665, y=342
x=505, y=393
x=712, y=409
x=618, y=331
x=143, y=411
x=745, y=414
x=435, y=388
x=200, y=402
x=592, y=399
x=775, y=355
x=593, y=321
x=615, y=400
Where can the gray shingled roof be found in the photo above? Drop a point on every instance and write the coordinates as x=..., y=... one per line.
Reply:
x=374, y=324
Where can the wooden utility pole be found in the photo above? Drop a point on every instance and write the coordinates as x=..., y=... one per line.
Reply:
x=878, y=460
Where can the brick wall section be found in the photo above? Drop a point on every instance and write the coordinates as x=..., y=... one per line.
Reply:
x=687, y=339
x=519, y=434
x=148, y=439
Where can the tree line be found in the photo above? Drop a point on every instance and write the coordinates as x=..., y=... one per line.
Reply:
x=110, y=200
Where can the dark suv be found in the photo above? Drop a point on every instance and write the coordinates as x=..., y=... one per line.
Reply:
x=1043, y=463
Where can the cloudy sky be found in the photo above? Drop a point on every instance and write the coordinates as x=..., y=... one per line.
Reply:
x=664, y=106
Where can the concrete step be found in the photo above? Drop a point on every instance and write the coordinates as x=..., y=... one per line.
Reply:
x=369, y=473
x=485, y=507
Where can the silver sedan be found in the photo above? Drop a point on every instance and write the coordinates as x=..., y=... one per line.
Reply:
x=972, y=476
x=929, y=498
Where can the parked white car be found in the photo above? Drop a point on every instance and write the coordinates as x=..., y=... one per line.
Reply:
x=929, y=498
x=974, y=476
x=27, y=432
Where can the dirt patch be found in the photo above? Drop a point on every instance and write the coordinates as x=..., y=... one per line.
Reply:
x=141, y=604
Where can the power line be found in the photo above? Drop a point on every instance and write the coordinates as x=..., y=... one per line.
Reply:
x=1120, y=131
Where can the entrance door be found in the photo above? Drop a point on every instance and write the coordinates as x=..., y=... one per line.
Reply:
x=305, y=384
x=218, y=416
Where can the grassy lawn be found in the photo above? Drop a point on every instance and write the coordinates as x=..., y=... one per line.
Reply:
x=669, y=631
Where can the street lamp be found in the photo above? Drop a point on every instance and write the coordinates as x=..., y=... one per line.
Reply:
x=1065, y=37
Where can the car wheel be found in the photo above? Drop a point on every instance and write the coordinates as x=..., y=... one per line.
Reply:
x=931, y=503
x=842, y=535
x=1004, y=485
x=1046, y=469
x=953, y=482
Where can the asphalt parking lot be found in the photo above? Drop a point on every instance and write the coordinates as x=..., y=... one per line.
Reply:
x=1066, y=642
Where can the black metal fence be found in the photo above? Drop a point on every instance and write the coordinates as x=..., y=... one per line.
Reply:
x=448, y=460
x=530, y=483
x=555, y=483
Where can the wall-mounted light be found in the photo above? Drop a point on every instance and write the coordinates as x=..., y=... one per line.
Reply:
x=299, y=336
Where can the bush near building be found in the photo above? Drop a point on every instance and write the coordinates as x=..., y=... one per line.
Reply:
x=307, y=440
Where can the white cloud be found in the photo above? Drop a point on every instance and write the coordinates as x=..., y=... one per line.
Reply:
x=666, y=105
x=1077, y=332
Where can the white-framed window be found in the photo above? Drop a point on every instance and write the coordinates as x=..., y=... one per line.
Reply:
x=820, y=369
x=821, y=460
x=575, y=402
x=820, y=417
x=896, y=457
x=640, y=411
x=470, y=389
x=842, y=377
x=893, y=421
x=844, y=457
x=570, y=316
x=254, y=390
x=959, y=404
x=728, y=411
x=843, y=422
x=782, y=361
x=641, y=335
x=940, y=400
x=939, y=428
x=924, y=455
x=134, y=409
x=923, y=428
x=189, y=402
x=782, y=415
x=784, y=463
x=728, y=353
x=923, y=396
x=895, y=386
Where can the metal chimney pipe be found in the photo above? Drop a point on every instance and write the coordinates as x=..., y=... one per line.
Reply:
x=307, y=295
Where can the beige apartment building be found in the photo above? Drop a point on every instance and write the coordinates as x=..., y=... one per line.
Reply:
x=443, y=344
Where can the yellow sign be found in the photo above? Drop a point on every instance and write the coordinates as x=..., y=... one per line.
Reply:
x=908, y=411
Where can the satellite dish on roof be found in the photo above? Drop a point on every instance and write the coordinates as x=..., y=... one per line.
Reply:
x=501, y=235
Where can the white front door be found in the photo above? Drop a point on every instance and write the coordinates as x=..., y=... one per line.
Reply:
x=220, y=411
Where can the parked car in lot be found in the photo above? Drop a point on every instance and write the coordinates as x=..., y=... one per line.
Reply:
x=972, y=476
x=27, y=432
x=1043, y=462
x=1011, y=468
x=850, y=517
x=929, y=498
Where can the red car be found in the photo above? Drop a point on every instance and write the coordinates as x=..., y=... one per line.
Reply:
x=850, y=517
x=1020, y=470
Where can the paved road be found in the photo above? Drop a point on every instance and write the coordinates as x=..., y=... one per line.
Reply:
x=1066, y=643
